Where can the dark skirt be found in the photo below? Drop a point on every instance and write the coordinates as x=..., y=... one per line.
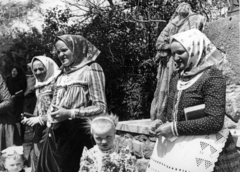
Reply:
x=39, y=132
x=229, y=158
x=63, y=146
x=9, y=135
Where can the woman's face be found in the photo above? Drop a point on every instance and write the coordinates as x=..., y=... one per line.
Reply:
x=180, y=55
x=39, y=70
x=65, y=55
x=14, y=72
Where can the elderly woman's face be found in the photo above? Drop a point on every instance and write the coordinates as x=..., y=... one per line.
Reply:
x=14, y=72
x=180, y=55
x=39, y=70
x=65, y=55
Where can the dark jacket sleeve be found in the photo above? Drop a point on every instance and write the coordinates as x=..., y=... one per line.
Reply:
x=214, y=98
x=5, y=97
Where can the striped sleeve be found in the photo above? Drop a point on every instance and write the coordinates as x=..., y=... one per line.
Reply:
x=96, y=84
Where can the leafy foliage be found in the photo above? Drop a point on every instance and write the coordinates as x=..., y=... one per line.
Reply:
x=22, y=48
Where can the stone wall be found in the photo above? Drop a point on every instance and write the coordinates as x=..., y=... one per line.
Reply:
x=224, y=33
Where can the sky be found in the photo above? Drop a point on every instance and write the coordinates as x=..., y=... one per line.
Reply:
x=35, y=19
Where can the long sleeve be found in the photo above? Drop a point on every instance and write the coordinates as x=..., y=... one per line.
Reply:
x=96, y=85
x=213, y=95
x=5, y=97
x=164, y=37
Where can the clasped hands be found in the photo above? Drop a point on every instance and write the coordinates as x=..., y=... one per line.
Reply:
x=60, y=113
x=30, y=121
x=158, y=128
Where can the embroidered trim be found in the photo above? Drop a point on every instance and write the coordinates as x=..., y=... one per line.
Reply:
x=81, y=84
x=183, y=85
x=189, y=153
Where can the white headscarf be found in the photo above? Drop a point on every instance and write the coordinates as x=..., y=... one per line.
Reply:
x=51, y=67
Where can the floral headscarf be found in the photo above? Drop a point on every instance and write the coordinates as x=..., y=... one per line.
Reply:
x=83, y=51
x=52, y=70
x=202, y=53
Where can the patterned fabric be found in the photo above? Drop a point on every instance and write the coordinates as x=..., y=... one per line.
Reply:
x=183, y=19
x=115, y=160
x=202, y=53
x=44, y=94
x=188, y=153
x=44, y=89
x=81, y=88
x=210, y=89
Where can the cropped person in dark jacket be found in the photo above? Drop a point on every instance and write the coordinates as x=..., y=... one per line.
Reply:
x=8, y=130
x=17, y=84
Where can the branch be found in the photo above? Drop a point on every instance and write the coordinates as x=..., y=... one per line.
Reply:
x=111, y=3
x=111, y=53
x=145, y=21
x=76, y=5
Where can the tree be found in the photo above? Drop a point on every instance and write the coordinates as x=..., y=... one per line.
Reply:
x=21, y=48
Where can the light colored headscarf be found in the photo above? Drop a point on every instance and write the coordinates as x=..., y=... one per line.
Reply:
x=202, y=53
x=51, y=67
x=83, y=51
x=185, y=11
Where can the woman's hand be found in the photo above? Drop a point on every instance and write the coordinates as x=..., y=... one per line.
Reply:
x=60, y=114
x=164, y=130
x=31, y=121
x=154, y=126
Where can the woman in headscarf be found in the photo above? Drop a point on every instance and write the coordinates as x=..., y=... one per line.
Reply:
x=183, y=19
x=194, y=140
x=29, y=94
x=8, y=129
x=78, y=96
x=17, y=84
x=45, y=71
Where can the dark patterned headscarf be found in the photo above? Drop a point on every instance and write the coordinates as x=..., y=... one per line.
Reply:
x=83, y=51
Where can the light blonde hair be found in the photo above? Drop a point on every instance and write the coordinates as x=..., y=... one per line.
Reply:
x=14, y=156
x=103, y=120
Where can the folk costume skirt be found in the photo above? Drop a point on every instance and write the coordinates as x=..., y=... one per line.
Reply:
x=191, y=153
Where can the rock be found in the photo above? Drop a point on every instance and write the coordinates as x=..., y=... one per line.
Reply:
x=236, y=136
x=224, y=34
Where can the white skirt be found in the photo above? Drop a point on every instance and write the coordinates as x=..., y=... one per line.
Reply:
x=187, y=153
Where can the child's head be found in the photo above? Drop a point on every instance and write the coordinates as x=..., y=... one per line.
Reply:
x=13, y=159
x=103, y=131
